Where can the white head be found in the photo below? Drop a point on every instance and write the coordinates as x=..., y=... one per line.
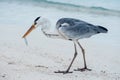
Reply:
x=39, y=21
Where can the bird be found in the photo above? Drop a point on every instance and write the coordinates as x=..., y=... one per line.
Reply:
x=70, y=29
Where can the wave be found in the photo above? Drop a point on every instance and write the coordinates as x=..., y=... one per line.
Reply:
x=67, y=7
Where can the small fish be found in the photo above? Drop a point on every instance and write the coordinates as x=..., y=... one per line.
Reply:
x=26, y=42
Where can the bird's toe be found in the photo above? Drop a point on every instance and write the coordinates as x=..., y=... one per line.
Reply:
x=64, y=72
x=82, y=69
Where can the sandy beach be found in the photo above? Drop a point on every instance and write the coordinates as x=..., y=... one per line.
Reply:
x=43, y=55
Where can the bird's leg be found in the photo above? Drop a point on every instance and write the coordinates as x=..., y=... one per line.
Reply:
x=67, y=71
x=85, y=65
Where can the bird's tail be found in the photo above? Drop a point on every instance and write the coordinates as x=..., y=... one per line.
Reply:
x=102, y=29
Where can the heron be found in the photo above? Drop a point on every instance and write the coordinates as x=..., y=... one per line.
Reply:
x=70, y=29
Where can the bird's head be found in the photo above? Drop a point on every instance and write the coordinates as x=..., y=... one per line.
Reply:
x=37, y=22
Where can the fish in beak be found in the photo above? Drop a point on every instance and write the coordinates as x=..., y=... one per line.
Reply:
x=29, y=30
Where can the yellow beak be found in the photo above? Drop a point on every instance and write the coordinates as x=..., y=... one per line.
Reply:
x=29, y=30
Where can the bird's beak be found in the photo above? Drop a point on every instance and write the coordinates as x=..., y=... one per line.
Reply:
x=29, y=30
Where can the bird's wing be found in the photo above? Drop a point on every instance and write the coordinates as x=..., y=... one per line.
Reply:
x=74, y=28
x=77, y=31
x=70, y=22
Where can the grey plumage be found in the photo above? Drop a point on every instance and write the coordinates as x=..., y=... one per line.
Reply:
x=77, y=29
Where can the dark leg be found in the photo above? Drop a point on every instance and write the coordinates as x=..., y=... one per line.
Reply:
x=67, y=71
x=85, y=66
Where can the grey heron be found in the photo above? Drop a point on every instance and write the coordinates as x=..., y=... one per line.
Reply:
x=69, y=29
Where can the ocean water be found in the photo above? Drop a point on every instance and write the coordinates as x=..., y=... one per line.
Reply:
x=103, y=4
x=108, y=4
x=16, y=8
x=103, y=12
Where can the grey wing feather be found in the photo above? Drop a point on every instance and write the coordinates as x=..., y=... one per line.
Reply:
x=69, y=21
x=77, y=29
x=75, y=32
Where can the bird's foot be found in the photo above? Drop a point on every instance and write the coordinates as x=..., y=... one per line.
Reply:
x=64, y=72
x=83, y=69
